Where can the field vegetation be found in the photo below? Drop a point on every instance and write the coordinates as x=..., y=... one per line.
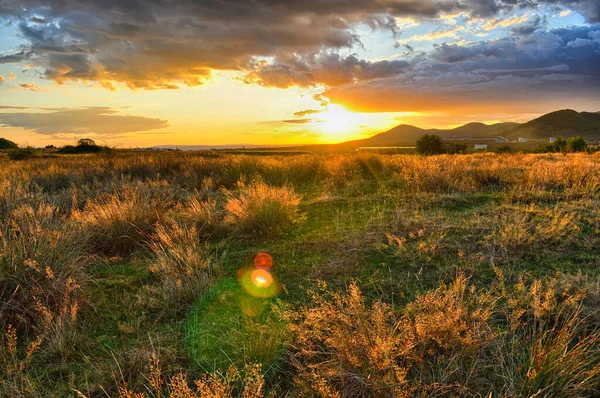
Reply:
x=126, y=274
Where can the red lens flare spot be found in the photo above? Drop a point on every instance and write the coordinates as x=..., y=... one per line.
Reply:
x=261, y=278
x=263, y=261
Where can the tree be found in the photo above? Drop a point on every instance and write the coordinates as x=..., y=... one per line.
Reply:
x=7, y=144
x=559, y=145
x=504, y=149
x=453, y=148
x=576, y=144
x=86, y=142
x=430, y=144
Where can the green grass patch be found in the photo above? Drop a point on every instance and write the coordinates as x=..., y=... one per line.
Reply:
x=229, y=327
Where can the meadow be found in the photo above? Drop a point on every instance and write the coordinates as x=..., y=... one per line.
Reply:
x=130, y=274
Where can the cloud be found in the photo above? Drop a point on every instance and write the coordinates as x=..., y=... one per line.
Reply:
x=325, y=68
x=14, y=58
x=451, y=32
x=298, y=121
x=529, y=27
x=12, y=76
x=504, y=22
x=101, y=121
x=152, y=44
x=501, y=74
x=30, y=87
x=579, y=42
x=2, y=79
x=306, y=112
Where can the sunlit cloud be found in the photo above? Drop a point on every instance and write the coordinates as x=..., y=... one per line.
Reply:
x=69, y=123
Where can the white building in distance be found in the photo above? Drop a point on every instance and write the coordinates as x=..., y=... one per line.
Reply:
x=480, y=146
x=552, y=140
x=523, y=139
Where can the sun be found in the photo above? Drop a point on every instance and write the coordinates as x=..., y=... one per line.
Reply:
x=337, y=120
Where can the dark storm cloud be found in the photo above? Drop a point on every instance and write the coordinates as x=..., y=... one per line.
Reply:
x=13, y=58
x=531, y=26
x=99, y=120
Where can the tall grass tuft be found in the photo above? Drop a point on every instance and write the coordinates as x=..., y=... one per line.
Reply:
x=262, y=210
x=182, y=264
x=248, y=383
x=530, y=339
x=117, y=225
x=344, y=347
x=41, y=266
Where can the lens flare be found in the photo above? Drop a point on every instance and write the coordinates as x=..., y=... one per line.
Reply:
x=258, y=283
x=263, y=261
x=261, y=278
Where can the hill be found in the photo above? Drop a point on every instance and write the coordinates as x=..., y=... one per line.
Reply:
x=406, y=134
x=564, y=123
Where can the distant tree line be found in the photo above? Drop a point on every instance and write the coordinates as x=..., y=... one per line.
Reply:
x=431, y=144
x=84, y=145
x=576, y=144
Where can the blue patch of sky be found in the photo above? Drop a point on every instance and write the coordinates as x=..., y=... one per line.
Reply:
x=424, y=35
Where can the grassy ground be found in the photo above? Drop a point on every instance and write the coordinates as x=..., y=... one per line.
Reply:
x=502, y=251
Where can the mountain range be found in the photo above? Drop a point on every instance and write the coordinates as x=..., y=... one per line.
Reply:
x=564, y=123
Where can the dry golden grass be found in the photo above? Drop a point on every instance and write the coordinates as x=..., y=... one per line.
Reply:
x=151, y=223
x=246, y=384
x=183, y=264
x=532, y=340
x=262, y=210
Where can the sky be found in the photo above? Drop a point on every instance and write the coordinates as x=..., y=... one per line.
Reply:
x=140, y=73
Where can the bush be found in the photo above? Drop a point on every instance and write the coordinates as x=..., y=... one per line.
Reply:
x=504, y=149
x=41, y=266
x=576, y=144
x=454, y=341
x=430, y=144
x=453, y=148
x=204, y=216
x=7, y=144
x=117, y=225
x=81, y=149
x=262, y=210
x=341, y=346
x=23, y=153
x=182, y=264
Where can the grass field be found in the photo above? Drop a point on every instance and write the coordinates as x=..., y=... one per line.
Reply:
x=129, y=275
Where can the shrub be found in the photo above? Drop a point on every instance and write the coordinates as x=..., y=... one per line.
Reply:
x=430, y=144
x=203, y=215
x=23, y=153
x=262, y=210
x=7, y=144
x=343, y=347
x=117, y=225
x=182, y=264
x=504, y=149
x=247, y=383
x=527, y=339
x=41, y=267
x=576, y=144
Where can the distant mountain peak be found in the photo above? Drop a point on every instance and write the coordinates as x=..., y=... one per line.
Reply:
x=561, y=123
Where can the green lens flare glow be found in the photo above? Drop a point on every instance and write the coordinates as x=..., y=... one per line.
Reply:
x=258, y=283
